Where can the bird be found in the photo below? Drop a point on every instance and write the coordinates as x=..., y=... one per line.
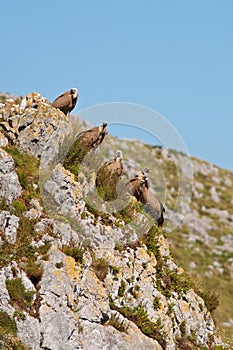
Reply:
x=108, y=176
x=139, y=188
x=134, y=186
x=92, y=138
x=66, y=101
x=152, y=204
x=85, y=142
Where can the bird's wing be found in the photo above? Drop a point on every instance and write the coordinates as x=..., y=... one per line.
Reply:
x=89, y=137
x=61, y=100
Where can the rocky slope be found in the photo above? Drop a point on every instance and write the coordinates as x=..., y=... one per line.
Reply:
x=77, y=273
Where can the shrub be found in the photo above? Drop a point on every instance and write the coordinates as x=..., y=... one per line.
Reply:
x=27, y=168
x=139, y=316
x=211, y=299
x=150, y=239
x=20, y=315
x=100, y=267
x=8, y=331
x=156, y=303
x=121, y=290
x=34, y=272
x=74, y=252
x=135, y=291
x=19, y=207
x=7, y=324
x=20, y=297
x=117, y=323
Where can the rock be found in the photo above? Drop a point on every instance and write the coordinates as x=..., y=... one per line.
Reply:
x=62, y=193
x=9, y=225
x=214, y=195
x=3, y=140
x=4, y=295
x=36, y=128
x=29, y=332
x=97, y=337
x=10, y=188
x=105, y=285
x=36, y=210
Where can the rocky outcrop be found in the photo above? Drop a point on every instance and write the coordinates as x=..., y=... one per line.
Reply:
x=35, y=126
x=10, y=188
x=9, y=225
x=87, y=276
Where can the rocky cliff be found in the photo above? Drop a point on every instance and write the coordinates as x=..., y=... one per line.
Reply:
x=75, y=272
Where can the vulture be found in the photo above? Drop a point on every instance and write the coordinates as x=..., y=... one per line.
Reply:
x=108, y=176
x=85, y=142
x=92, y=138
x=67, y=101
x=135, y=185
x=153, y=206
x=139, y=188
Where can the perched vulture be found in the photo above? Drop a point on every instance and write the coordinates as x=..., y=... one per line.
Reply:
x=135, y=185
x=139, y=188
x=92, y=138
x=85, y=142
x=67, y=101
x=153, y=206
x=108, y=176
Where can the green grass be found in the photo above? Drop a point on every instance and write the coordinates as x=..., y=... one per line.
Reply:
x=27, y=168
x=117, y=323
x=7, y=324
x=121, y=289
x=74, y=251
x=215, y=290
x=156, y=303
x=20, y=297
x=8, y=334
x=139, y=316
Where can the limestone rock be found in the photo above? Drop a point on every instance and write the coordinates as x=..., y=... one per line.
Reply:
x=8, y=225
x=4, y=295
x=111, y=289
x=29, y=330
x=3, y=140
x=10, y=188
x=36, y=210
x=36, y=127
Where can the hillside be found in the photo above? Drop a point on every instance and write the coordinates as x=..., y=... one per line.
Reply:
x=78, y=274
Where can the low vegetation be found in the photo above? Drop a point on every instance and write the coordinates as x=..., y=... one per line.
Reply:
x=8, y=334
x=27, y=168
x=116, y=322
x=139, y=316
x=20, y=297
x=74, y=251
x=101, y=267
x=214, y=289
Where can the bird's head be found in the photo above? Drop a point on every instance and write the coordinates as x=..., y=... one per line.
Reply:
x=144, y=182
x=74, y=92
x=118, y=156
x=103, y=128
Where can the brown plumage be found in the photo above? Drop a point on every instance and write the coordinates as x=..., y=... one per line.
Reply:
x=135, y=185
x=153, y=206
x=86, y=141
x=67, y=101
x=92, y=138
x=108, y=176
x=139, y=188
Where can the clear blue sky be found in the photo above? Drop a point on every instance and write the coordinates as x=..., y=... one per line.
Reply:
x=174, y=56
